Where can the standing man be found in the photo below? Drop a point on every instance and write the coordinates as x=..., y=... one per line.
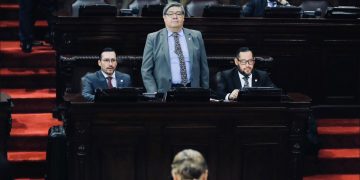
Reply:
x=174, y=56
x=256, y=8
x=29, y=12
x=106, y=77
x=243, y=75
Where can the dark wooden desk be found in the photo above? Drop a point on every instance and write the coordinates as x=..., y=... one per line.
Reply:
x=137, y=141
x=5, y=122
x=317, y=57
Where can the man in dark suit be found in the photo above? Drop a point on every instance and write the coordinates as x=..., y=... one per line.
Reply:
x=256, y=8
x=106, y=77
x=230, y=81
x=28, y=14
x=174, y=56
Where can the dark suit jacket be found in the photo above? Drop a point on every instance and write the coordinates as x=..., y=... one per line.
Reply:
x=229, y=80
x=92, y=81
x=255, y=8
x=156, y=70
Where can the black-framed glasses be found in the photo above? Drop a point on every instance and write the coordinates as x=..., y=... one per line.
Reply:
x=244, y=61
x=170, y=14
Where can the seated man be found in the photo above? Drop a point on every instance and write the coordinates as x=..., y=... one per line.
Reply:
x=105, y=78
x=243, y=75
x=256, y=8
x=189, y=164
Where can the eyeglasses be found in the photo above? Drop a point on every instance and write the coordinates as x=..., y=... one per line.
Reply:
x=244, y=61
x=170, y=14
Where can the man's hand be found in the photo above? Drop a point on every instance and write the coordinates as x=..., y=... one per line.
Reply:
x=234, y=94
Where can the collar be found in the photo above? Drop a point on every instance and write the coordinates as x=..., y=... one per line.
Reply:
x=242, y=76
x=170, y=33
x=105, y=75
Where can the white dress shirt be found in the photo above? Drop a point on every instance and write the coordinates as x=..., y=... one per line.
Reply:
x=174, y=58
x=113, y=79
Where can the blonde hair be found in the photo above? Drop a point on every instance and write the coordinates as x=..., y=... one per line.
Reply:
x=189, y=164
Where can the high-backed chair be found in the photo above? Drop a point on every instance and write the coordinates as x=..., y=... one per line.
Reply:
x=196, y=7
x=139, y=4
x=313, y=5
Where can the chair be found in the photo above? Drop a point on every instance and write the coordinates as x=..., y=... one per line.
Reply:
x=139, y=4
x=222, y=11
x=196, y=7
x=313, y=5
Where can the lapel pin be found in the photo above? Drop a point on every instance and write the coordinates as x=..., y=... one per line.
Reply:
x=121, y=80
x=256, y=80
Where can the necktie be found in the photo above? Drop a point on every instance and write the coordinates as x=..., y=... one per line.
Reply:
x=109, y=82
x=246, y=80
x=180, y=54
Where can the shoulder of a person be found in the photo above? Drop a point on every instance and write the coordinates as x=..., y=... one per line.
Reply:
x=91, y=75
x=228, y=72
x=260, y=72
x=152, y=34
x=192, y=31
x=123, y=75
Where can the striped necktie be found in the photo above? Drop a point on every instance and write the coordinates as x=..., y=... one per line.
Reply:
x=246, y=80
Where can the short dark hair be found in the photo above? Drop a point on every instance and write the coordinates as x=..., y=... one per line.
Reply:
x=107, y=49
x=174, y=4
x=242, y=49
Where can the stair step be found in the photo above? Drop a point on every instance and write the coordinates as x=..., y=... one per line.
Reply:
x=30, y=93
x=15, y=24
x=9, y=30
x=24, y=100
x=335, y=161
x=41, y=56
x=26, y=143
x=31, y=125
x=336, y=111
x=338, y=122
x=33, y=156
x=30, y=131
x=27, y=77
x=28, y=164
x=14, y=72
x=339, y=130
x=9, y=11
x=339, y=153
x=333, y=177
x=338, y=166
x=336, y=141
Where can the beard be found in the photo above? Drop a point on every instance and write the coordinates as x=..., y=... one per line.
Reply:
x=244, y=73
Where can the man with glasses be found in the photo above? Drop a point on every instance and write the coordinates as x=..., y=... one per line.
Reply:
x=106, y=78
x=174, y=56
x=229, y=82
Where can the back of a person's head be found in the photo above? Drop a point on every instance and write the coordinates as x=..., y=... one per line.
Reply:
x=189, y=165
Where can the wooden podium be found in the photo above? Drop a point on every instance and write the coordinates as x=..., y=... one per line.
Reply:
x=137, y=141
